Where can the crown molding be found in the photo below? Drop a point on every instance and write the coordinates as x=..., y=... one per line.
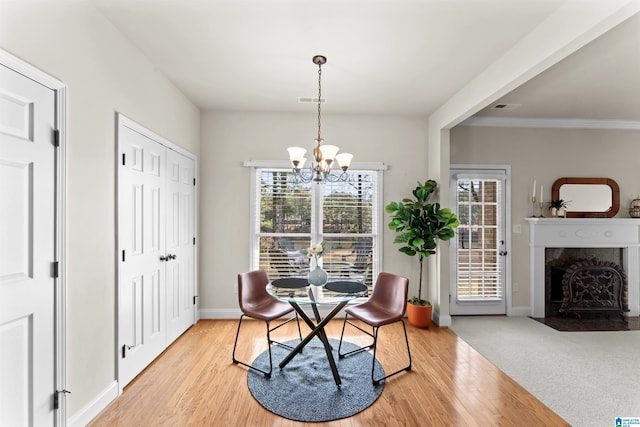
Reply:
x=521, y=122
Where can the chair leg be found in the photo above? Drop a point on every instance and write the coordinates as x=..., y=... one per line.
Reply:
x=376, y=381
x=233, y=355
x=297, y=319
x=268, y=374
x=357, y=350
x=236, y=361
x=373, y=346
x=341, y=335
x=269, y=342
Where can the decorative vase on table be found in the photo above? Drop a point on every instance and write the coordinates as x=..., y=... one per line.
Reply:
x=318, y=276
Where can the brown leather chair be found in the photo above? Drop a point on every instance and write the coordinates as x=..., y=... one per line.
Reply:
x=386, y=305
x=256, y=303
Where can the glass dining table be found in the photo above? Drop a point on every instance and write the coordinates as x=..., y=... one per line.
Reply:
x=299, y=293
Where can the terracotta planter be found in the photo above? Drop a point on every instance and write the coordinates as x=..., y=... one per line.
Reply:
x=419, y=316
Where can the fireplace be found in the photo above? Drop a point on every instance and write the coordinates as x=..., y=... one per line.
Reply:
x=603, y=257
x=584, y=279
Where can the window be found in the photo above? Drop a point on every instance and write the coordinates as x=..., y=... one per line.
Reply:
x=288, y=215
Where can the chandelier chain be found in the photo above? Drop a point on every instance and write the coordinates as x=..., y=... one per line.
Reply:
x=319, y=98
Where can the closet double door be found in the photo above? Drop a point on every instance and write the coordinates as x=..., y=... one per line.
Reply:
x=156, y=243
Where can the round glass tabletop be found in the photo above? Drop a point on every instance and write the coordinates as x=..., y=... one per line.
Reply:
x=299, y=291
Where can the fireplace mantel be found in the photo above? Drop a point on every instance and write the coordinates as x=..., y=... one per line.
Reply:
x=583, y=233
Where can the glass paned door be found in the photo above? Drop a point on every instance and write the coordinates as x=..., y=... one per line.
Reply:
x=480, y=247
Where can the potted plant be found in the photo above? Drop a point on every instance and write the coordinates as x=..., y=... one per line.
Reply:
x=419, y=225
x=557, y=207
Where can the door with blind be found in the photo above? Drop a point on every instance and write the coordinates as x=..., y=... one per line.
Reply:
x=479, y=253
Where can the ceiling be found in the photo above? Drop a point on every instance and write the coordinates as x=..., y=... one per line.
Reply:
x=384, y=56
x=601, y=81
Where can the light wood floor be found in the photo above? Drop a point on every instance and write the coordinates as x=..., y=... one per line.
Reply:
x=194, y=383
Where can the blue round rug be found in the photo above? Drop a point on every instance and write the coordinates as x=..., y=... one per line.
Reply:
x=305, y=390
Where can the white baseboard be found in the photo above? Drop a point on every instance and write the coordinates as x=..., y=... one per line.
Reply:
x=219, y=313
x=520, y=312
x=234, y=313
x=442, y=321
x=94, y=407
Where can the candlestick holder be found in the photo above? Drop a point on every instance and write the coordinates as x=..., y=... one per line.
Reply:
x=541, y=206
x=533, y=206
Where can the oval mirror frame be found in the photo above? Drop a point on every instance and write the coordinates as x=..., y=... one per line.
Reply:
x=615, y=196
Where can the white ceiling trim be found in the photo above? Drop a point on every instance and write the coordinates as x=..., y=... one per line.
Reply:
x=520, y=122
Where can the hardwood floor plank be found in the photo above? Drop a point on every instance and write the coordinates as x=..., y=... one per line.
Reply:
x=195, y=383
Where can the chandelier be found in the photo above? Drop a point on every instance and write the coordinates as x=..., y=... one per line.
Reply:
x=325, y=156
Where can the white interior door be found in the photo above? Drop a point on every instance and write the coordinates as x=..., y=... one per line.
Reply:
x=156, y=238
x=141, y=237
x=479, y=253
x=180, y=245
x=27, y=251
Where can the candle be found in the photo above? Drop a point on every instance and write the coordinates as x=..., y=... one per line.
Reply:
x=533, y=193
x=541, y=198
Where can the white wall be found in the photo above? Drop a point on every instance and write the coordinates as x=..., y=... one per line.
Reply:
x=228, y=139
x=546, y=155
x=104, y=74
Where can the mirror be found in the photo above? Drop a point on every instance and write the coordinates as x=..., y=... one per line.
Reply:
x=588, y=197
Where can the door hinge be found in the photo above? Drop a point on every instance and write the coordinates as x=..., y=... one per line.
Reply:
x=123, y=255
x=123, y=158
x=56, y=397
x=194, y=182
x=56, y=269
x=195, y=299
x=56, y=138
x=194, y=240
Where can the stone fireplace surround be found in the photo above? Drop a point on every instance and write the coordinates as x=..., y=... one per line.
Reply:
x=583, y=233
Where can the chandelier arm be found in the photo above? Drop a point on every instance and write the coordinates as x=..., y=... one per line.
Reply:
x=343, y=177
x=301, y=176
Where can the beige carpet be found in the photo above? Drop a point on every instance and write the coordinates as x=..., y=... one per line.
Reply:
x=588, y=378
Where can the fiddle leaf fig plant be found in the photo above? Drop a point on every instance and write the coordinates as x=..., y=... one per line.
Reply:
x=419, y=225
